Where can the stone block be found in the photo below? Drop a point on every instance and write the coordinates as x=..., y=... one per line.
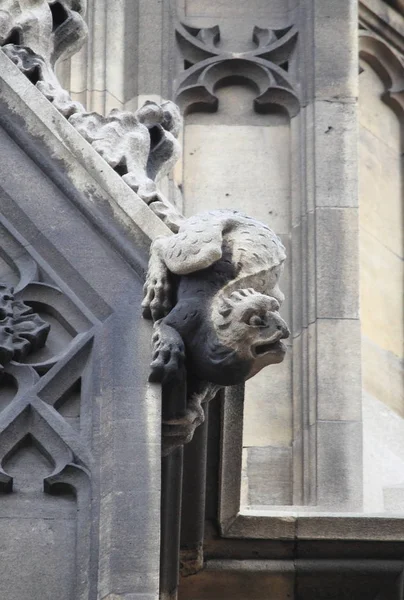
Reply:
x=297, y=258
x=376, y=118
x=335, y=50
x=258, y=524
x=352, y=527
x=394, y=499
x=269, y=472
x=223, y=158
x=337, y=273
x=336, y=149
x=253, y=9
x=338, y=370
x=339, y=465
x=297, y=470
x=268, y=406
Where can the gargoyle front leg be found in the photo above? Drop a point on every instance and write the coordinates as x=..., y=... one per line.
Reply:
x=157, y=301
x=168, y=353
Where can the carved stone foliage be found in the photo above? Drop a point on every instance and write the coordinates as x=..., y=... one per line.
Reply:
x=45, y=349
x=34, y=35
x=52, y=29
x=140, y=146
x=222, y=269
x=266, y=68
x=21, y=330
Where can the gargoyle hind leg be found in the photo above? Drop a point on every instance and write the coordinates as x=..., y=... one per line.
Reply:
x=157, y=301
x=180, y=429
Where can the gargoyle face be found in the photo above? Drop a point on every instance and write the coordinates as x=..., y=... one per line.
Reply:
x=52, y=29
x=250, y=323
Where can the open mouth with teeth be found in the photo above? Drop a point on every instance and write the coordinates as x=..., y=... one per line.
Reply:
x=268, y=347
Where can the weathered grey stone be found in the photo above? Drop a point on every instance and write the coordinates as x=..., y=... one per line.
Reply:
x=35, y=37
x=141, y=146
x=100, y=188
x=52, y=30
x=84, y=421
x=336, y=50
x=339, y=472
x=21, y=330
x=335, y=137
x=269, y=476
x=221, y=9
x=337, y=263
x=268, y=412
x=338, y=372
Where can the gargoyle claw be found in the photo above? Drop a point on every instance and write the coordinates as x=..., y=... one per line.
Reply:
x=168, y=354
x=156, y=303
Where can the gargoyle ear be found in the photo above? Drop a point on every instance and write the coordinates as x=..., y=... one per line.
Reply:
x=225, y=308
x=275, y=306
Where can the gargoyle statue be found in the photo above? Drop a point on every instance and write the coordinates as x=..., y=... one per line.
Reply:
x=212, y=290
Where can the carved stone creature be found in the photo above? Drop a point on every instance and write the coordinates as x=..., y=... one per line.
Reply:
x=212, y=290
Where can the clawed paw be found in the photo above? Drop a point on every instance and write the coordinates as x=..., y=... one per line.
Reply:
x=168, y=358
x=157, y=298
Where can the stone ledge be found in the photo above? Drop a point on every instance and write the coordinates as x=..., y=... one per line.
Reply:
x=302, y=525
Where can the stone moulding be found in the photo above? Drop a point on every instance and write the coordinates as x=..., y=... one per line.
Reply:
x=208, y=67
x=387, y=65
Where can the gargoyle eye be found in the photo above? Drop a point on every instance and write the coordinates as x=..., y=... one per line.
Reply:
x=256, y=321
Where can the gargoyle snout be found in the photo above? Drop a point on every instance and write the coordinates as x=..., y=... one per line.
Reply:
x=279, y=327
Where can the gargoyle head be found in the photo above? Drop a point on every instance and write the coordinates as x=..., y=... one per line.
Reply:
x=249, y=323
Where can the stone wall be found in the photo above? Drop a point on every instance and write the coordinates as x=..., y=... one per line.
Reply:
x=297, y=172
x=381, y=257
x=267, y=135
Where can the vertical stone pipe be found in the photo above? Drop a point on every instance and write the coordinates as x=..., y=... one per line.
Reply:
x=174, y=401
x=193, y=501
